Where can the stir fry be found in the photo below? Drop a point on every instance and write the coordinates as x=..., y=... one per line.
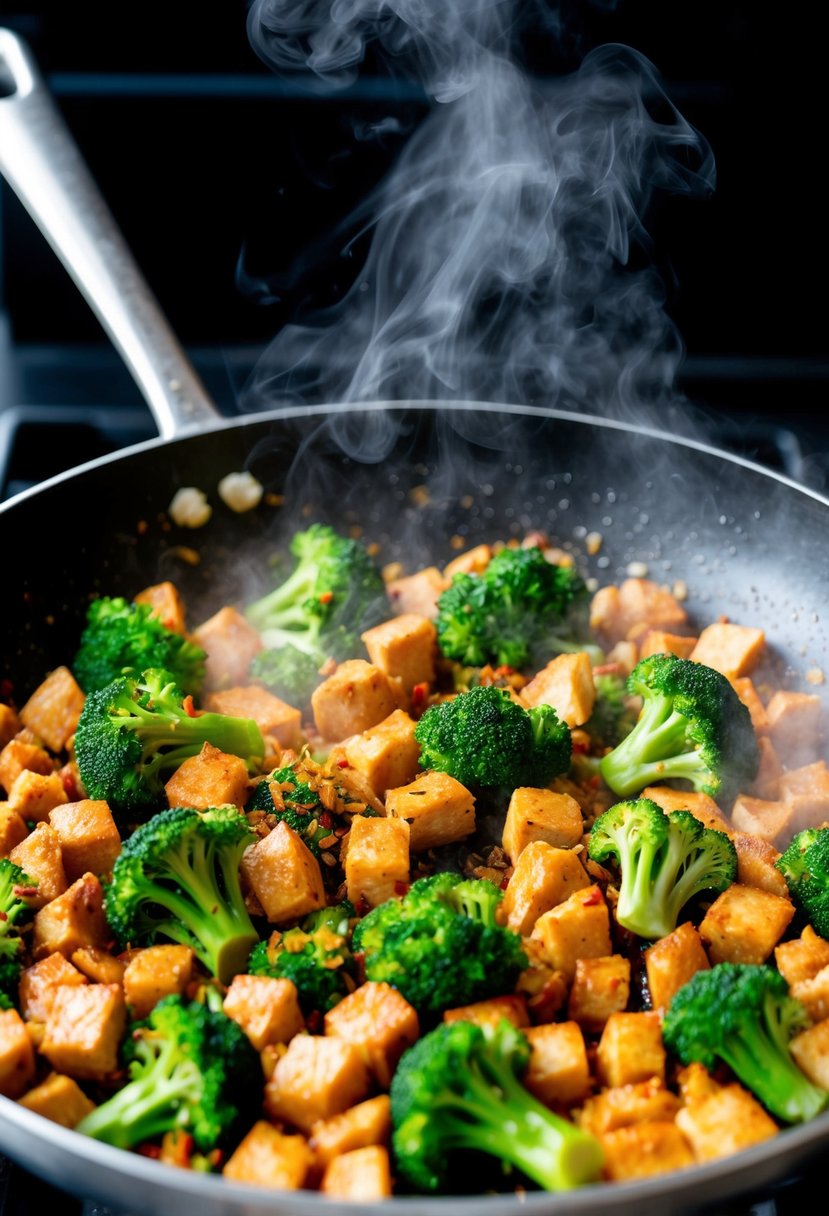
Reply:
x=390, y=880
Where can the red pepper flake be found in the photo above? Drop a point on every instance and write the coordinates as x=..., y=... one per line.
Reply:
x=419, y=694
x=189, y=707
x=326, y=597
x=607, y=669
x=314, y=1021
x=70, y=787
x=590, y=901
x=579, y=747
x=326, y=821
x=149, y=1150
x=400, y=888
x=342, y=763
x=504, y=882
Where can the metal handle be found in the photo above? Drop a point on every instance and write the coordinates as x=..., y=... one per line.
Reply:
x=42, y=164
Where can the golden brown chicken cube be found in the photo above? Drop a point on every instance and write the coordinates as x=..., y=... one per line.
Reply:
x=724, y=1122
x=40, y=856
x=284, y=875
x=40, y=982
x=636, y=604
x=377, y=861
x=648, y=1101
x=795, y=727
x=744, y=924
x=89, y=839
x=756, y=864
x=418, y=592
x=53, y=709
x=212, y=778
x=492, y=1011
x=746, y=690
x=631, y=1049
x=268, y=1157
x=267, y=1009
x=702, y=806
x=17, y=1056
x=404, y=647
x=733, y=650
x=379, y=1022
x=19, y=755
x=13, y=830
x=766, y=783
x=540, y=814
x=317, y=1077
x=166, y=603
x=803, y=957
x=387, y=755
x=566, y=683
x=366, y=1123
x=644, y=1150
x=438, y=809
x=577, y=928
x=10, y=724
x=99, y=965
x=813, y=993
x=769, y=821
x=34, y=795
x=472, y=561
x=74, y=919
x=544, y=877
x=659, y=641
x=362, y=1175
x=230, y=644
x=806, y=791
x=84, y=1028
x=601, y=986
x=810, y=1051
x=559, y=1071
x=60, y=1099
x=274, y=717
x=156, y=972
x=671, y=962
x=354, y=698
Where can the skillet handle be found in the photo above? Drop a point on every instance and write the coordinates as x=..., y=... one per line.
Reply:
x=42, y=164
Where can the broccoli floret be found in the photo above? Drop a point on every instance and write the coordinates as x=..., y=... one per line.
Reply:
x=665, y=860
x=315, y=957
x=510, y=613
x=122, y=636
x=177, y=878
x=805, y=867
x=692, y=727
x=613, y=717
x=135, y=732
x=458, y=1089
x=483, y=737
x=440, y=944
x=14, y=912
x=190, y=1067
x=287, y=672
x=332, y=594
x=743, y=1014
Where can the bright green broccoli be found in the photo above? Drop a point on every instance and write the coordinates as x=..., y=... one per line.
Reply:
x=135, y=732
x=332, y=594
x=121, y=636
x=693, y=727
x=177, y=878
x=665, y=860
x=459, y=1089
x=288, y=673
x=613, y=716
x=14, y=912
x=510, y=613
x=440, y=944
x=191, y=1068
x=483, y=737
x=315, y=956
x=743, y=1014
x=805, y=867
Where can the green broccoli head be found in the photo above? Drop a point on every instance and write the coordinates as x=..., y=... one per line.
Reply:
x=483, y=737
x=744, y=1015
x=134, y=733
x=121, y=636
x=177, y=879
x=458, y=1089
x=15, y=885
x=509, y=614
x=190, y=1068
x=805, y=867
x=693, y=727
x=315, y=956
x=665, y=860
x=439, y=944
x=289, y=673
x=332, y=594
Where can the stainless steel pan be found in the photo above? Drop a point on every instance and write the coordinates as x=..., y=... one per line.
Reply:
x=749, y=544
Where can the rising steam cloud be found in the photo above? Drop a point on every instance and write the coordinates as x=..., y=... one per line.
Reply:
x=509, y=258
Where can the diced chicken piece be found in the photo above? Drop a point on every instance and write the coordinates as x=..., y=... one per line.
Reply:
x=362, y=1125
x=795, y=727
x=317, y=1077
x=98, y=965
x=89, y=839
x=733, y=650
x=19, y=755
x=74, y=919
x=671, y=962
x=624, y=655
x=813, y=993
x=544, y=877
x=601, y=987
x=724, y=1123
x=363, y=1175
x=53, y=709
x=154, y=973
x=284, y=875
x=356, y=697
x=418, y=593
x=647, y=1101
x=756, y=864
x=631, y=1049
x=40, y=856
x=377, y=861
x=473, y=561
x=559, y=1071
x=810, y=1050
x=166, y=603
x=230, y=644
x=34, y=795
x=695, y=1084
x=40, y=982
x=379, y=1022
x=536, y=814
x=275, y=718
x=658, y=641
x=577, y=928
x=212, y=778
x=768, y=821
x=387, y=755
x=806, y=791
x=17, y=1056
x=766, y=783
x=405, y=648
x=10, y=724
x=59, y=1099
x=438, y=809
x=267, y=1157
x=634, y=607
x=83, y=1031
x=701, y=806
x=491, y=1012
x=748, y=694
x=13, y=830
x=644, y=1150
x=267, y=1009
x=743, y=924
x=566, y=683
x=803, y=957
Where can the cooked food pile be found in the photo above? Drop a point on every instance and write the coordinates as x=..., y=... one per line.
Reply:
x=396, y=882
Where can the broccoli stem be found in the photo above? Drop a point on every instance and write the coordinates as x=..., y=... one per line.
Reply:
x=760, y=1057
x=161, y=727
x=655, y=750
x=284, y=606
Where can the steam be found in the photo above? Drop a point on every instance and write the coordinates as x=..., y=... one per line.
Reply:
x=510, y=259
